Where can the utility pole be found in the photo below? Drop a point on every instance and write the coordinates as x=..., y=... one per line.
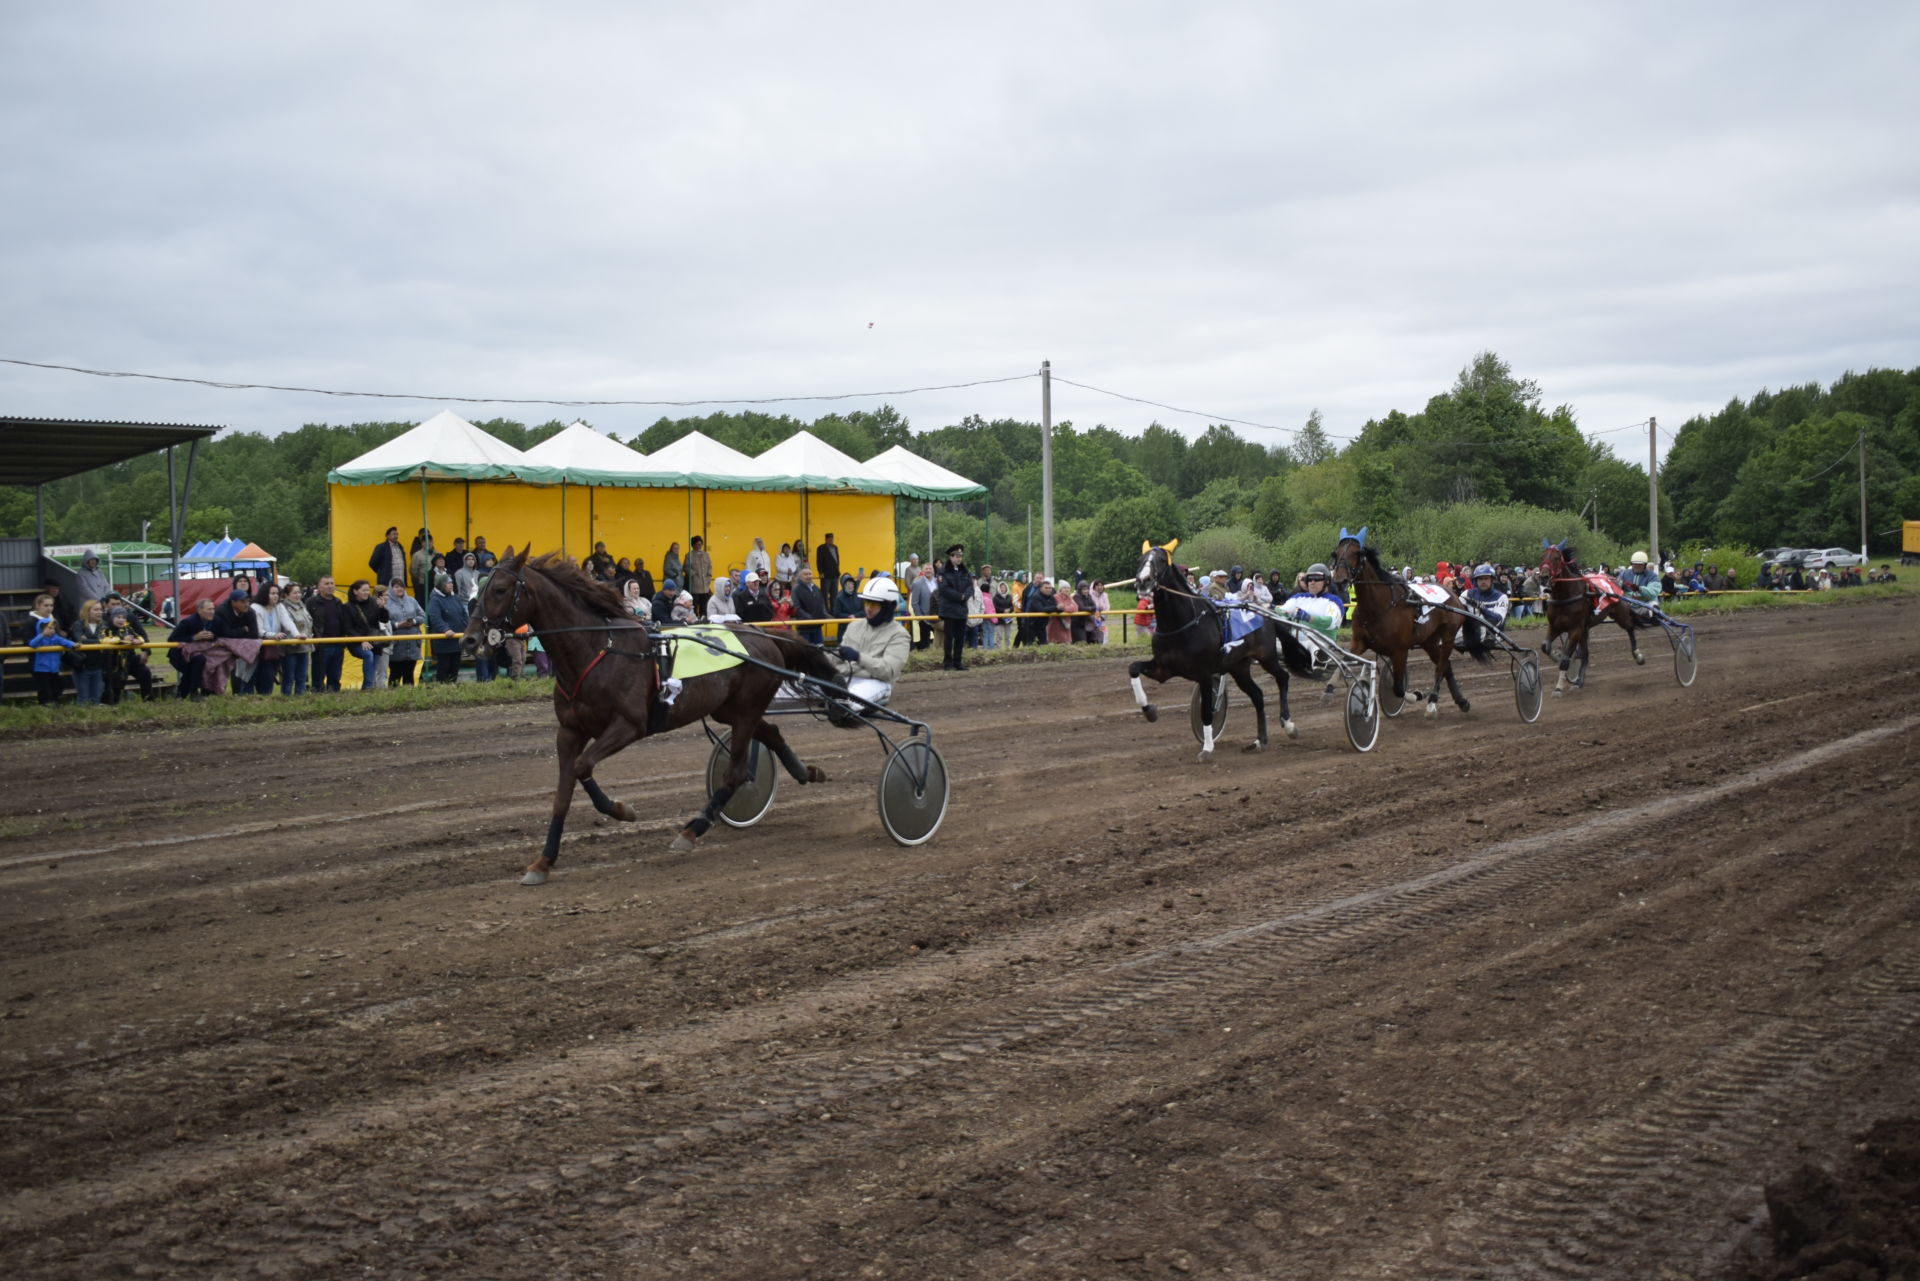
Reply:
x=1046, y=467
x=1863, y=495
x=1653, y=489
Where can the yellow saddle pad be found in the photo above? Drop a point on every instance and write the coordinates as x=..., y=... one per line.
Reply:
x=690, y=658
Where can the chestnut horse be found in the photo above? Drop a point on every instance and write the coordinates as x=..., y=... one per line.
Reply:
x=1572, y=605
x=1386, y=617
x=1188, y=632
x=607, y=686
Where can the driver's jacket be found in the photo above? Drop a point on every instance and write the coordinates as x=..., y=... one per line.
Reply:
x=1325, y=610
x=1493, y=603
x=883, y=650
x=1641, y=581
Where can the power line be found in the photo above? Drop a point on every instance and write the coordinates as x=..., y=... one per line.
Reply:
x=1197, y=413
x=509, y=400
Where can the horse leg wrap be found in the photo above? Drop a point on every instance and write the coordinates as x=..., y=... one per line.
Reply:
x=792, y=761
x=1206, y=742
x=611, y=808
x=551, y=854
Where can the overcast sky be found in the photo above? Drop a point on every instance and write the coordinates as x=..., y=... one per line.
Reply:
x=1250, y=210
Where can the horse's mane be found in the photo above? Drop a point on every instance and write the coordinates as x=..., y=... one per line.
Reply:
x=1373, y=559
x=568, y=577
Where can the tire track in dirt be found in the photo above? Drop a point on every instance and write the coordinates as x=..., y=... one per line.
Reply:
x=1066, y=1028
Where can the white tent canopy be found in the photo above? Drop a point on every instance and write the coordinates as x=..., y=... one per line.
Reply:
x=917, y=477
x=707, y=464
x=445, y=447
x=585, y=457
x=804, y=457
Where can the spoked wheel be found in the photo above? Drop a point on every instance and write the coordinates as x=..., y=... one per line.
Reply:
x=753, y=798
x=1686, y=663
x=1527, y=690
x=1220, y=687
x=914, y=790
x=1362, y=715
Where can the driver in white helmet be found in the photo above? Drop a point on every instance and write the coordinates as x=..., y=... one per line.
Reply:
x=1314, y=605
x=873, y=650
x=1640, y=580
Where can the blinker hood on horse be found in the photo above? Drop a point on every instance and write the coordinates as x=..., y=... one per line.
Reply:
x=1188, y=641
x=1388, y=619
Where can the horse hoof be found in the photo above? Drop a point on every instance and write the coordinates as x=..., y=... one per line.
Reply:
x=815, y=774
x=1255, y=746
x=1559, y=693
x=682, y=844
x=1293, y=731
x=1151, y=712
x=624, y=813
x=1433, y=711
x=534, y=877
x=1465, y=706
x=1206, y=756
x=1639, y=658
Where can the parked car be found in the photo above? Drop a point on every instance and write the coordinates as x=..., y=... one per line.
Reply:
x=1833, y=558
x=1786, y=557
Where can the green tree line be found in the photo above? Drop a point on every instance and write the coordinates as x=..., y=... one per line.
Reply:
x=1483, y=469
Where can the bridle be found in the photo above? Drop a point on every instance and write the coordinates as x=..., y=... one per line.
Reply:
x=1397, y=591
x=1165, y=582
x=498, y=628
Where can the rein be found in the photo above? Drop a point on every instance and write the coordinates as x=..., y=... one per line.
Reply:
x=502, y=625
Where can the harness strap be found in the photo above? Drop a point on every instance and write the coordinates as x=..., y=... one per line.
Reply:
x=572, y=695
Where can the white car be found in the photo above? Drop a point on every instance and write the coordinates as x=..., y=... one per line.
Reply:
x=1833, y=558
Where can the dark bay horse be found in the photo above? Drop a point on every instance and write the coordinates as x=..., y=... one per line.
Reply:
x=606, y=686
x=1572, y=605
x=1386, y=615
x=1188, y=631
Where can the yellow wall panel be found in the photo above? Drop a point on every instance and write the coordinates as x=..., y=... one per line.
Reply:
x=361, y=513
x=508, y=514
x=861, y=524
x=736, y=517
x=634, y=523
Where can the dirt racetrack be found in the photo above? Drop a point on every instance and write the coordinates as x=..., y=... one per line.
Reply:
x=1492, y=1000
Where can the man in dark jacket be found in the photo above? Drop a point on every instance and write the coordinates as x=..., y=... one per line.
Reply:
x=197, y=626
x=752, y=601
x=663, y=602
x=389, y=559
x=235, y=620
x=808, y=602
x=826, y=562
x=953, y=592
x=329, y=619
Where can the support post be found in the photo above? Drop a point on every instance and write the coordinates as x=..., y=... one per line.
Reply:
x=1863, y=499
x=1029, y=540
x=1046, y=466
x=173, y=531
x=1653, y=489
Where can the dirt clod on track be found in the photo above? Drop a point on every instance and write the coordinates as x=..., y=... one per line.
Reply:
x=1493, y=1000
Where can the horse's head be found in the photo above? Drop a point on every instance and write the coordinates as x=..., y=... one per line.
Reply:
x=1557, y=559
x=1347, y=555
x=1156, y=560
x=507, y=602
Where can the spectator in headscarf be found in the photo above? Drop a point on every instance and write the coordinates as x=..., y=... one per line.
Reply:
x=846, y=602
x=720, y=606
x=758, y=562
x=89, y=580
x=406, y=617
x=683, y=612
x=466, y=579
x=297, y=660
x=634, y=601
x=446, y=622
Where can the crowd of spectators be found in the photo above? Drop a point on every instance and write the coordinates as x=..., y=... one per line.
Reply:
x=406, y=619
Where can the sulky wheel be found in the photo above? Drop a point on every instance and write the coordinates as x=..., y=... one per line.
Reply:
x=1390, y=702
x=1220, y=687
x=914, y=790
x=1362, y=715
x=1527, y=689
x=1686, y=663
x=753, y=798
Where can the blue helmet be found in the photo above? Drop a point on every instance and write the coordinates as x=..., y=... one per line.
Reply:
x=1483, y=571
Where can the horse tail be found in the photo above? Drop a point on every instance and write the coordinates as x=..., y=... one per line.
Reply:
x=805, y=658
x=1292, y=652
x=1476, y=643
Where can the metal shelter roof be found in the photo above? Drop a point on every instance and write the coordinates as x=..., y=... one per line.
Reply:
x=34, y=451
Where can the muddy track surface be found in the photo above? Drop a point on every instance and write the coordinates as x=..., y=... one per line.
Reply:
x=1492, y=1000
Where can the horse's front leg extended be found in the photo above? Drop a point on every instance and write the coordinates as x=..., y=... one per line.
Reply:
x=1159, y=674
x=776, y=742
x=567, y=744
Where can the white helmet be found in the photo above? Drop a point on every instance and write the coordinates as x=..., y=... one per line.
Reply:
x=880, y=589
x=1639, y=558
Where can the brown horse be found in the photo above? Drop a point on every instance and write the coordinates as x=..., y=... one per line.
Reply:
x=607, y=686
x=1386, y=620
x=1572, y=605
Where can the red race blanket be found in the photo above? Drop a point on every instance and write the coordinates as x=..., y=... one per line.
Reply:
x=1605, y=591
